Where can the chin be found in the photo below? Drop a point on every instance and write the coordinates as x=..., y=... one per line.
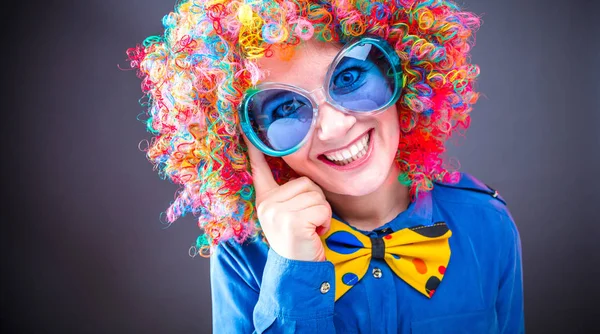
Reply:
x=360, y=185
x=356, y=189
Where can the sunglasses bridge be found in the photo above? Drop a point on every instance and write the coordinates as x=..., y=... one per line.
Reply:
x=319, y=97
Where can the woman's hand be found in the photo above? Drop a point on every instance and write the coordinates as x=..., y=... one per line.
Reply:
x=293, y=215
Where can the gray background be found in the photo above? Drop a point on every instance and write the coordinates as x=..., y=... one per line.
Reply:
x=83, y=249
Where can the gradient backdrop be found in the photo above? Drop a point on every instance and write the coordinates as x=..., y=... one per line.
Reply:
x=83, y=250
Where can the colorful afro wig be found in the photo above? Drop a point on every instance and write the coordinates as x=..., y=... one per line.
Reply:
x=195, y=74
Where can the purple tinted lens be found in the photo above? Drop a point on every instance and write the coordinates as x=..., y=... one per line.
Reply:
x=363, y=80
x=281, y=118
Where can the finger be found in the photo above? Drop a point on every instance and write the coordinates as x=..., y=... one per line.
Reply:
x=295, y=187
x=261, y=172
x=305, y=200
x=324, y=228
x=317, y=216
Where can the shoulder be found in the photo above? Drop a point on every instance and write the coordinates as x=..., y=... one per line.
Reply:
x=248, y=252
x=245, y=259
x=474, y=207
x=470, y=190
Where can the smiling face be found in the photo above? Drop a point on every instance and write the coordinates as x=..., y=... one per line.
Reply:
x=346, y=154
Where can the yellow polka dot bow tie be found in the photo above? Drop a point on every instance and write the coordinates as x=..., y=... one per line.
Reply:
x=419, y=255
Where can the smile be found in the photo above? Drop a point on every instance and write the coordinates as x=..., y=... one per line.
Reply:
x=350, y=156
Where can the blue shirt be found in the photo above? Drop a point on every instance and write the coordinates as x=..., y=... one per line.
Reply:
x=255, y=290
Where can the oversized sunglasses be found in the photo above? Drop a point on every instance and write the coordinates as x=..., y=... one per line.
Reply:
x=365, y=78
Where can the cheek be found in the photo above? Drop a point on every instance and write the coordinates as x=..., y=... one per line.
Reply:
x=391, y=131
x=297, y=160
x=390, y=121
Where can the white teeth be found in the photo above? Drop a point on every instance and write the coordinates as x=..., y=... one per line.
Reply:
x=345, y=156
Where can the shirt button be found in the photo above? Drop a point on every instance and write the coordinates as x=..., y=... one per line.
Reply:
x=325, y=287
x=377, y=273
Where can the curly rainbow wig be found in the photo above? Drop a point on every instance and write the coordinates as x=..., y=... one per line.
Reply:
x=195, y=74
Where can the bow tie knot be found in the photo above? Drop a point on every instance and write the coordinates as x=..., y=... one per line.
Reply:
x=378, y=248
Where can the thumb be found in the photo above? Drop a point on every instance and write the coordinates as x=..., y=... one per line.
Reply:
x=261, y=172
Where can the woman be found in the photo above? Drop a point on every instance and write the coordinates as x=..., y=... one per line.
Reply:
x=326, y=122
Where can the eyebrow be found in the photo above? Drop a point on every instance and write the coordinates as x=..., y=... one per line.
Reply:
x=346, y=60
x=276, y=96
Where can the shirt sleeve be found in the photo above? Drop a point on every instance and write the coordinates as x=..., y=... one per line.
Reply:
x=289, y=299
x=509, y=305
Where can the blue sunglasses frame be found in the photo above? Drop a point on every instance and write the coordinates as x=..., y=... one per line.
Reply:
x=378, y=42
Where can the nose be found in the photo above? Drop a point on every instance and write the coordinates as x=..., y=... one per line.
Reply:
x=333, y=123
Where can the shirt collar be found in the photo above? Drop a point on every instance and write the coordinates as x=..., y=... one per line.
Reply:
x=419, y=212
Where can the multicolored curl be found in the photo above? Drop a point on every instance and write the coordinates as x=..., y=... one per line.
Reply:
x=195, y=74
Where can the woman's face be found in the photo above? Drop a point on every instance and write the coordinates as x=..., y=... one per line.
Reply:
x=335, y=132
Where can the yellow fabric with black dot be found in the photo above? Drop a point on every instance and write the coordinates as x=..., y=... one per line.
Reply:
x=419, y=255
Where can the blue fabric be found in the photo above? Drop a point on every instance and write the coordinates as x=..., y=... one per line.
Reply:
x=254, y=290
